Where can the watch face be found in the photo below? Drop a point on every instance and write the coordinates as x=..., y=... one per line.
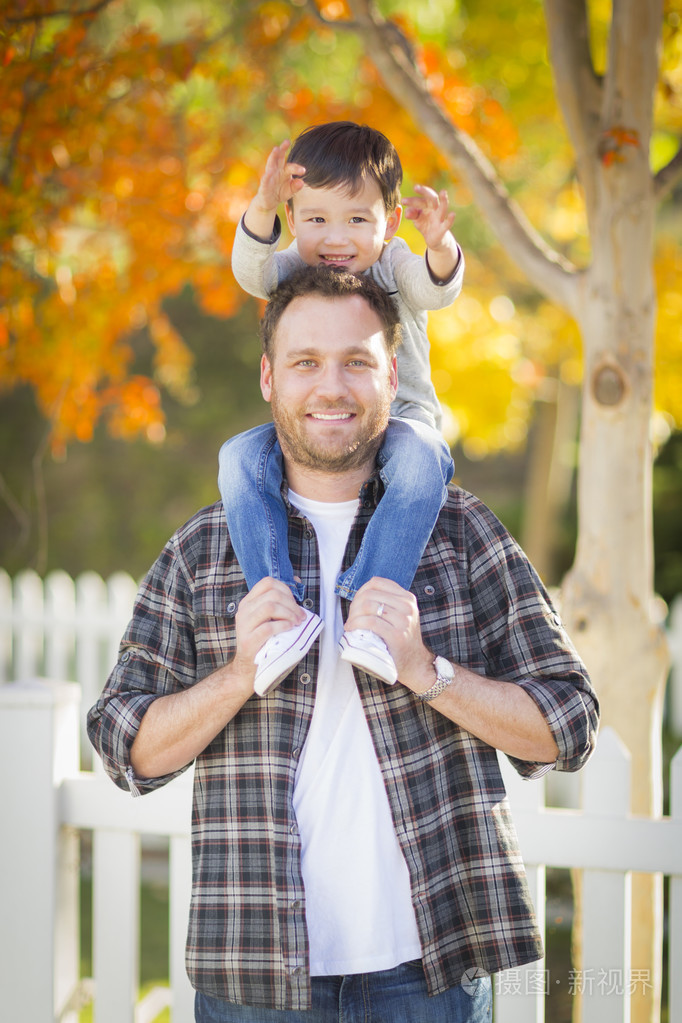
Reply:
x=443, y=667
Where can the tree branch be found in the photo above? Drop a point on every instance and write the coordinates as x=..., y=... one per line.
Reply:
x=342, y=23
x=578, y=87
x=18, y=19
x=393, y=33
x=668, y=176
x=13, y=145
x=630, y=81
x=37, y=471
x=550, y=272
x=18, y=512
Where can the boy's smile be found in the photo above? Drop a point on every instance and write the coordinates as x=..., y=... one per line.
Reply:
x=336, y=228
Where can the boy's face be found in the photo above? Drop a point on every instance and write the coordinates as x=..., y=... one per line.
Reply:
x=338, y=229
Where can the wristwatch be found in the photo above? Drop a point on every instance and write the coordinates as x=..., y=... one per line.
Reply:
x=445, y=673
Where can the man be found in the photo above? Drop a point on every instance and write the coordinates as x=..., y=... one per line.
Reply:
x=352, y=847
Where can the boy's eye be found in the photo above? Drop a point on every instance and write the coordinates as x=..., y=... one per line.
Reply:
x=357, y=220
x=316, y=220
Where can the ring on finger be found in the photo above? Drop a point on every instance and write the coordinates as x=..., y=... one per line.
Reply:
x=380, y=610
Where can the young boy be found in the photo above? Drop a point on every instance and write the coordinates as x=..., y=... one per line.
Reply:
x=341, y=189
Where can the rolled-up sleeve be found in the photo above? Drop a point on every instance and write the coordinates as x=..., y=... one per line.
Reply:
x=156, y=658
x=113, y=722
x=572, y=715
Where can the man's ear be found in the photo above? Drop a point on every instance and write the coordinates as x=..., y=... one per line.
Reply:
x=393, y=223
x=266, y=378
x=393, y=375
x=289, y=214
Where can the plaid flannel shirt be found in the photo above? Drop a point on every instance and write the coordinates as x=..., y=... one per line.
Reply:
x=482, y=606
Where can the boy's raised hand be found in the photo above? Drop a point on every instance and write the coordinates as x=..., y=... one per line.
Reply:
x=279, y=182
x=428, y=210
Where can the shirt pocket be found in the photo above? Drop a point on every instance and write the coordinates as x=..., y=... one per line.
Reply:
x=215, y=632
x=446, y=613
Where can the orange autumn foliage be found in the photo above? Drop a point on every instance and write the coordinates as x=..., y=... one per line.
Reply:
x=93, y=227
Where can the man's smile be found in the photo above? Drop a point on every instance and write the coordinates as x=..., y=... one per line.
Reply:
x=331, y=416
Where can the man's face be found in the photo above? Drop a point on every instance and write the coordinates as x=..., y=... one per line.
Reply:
x=334, y=228
x=330, y=383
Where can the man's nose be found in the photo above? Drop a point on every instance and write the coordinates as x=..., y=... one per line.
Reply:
x=331, y=383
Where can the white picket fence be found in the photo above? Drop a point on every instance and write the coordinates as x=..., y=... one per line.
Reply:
x=61, y=630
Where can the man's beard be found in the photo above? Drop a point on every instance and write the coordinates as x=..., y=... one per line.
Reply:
x=313, y=452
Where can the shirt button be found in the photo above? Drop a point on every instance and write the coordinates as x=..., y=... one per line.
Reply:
x=296, y=753
x=125, y=657
x=429, y=590
x=305, y=679
x=296, y=904
x=293, y=830
x=307, y=603
x=366, y=504
x=231, y=607
x=297, y=971
x=308, y=534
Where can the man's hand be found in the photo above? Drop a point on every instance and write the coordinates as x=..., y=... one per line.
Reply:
x=429, y=213
x=280, y=181
x=397, y=624
x=499, y=713
x=177, y=727
x=267, y=609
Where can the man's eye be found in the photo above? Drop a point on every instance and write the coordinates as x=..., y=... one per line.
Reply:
x=357, y=362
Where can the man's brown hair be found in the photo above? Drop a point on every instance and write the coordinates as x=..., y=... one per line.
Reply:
x=343, y=153
x=330, y=282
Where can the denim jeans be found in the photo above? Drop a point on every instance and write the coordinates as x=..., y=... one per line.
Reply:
x=390, y=996
x=415, y=466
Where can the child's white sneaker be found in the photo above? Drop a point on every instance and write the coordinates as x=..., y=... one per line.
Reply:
x=283, y=651
x=368, y=651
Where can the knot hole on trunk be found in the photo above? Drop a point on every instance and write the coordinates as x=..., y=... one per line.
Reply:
x=609, y=384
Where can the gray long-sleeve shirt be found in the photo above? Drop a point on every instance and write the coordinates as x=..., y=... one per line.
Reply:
x=259, y=266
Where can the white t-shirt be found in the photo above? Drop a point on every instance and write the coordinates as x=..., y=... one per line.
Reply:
x=359, y=908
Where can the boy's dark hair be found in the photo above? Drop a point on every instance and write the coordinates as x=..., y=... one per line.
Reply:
x=345, y=153
x=330, y=282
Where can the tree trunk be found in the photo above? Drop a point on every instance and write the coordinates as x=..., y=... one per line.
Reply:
x=607, y=598
x=550, y=475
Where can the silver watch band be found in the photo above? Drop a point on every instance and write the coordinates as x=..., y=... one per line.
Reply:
x=445, y=674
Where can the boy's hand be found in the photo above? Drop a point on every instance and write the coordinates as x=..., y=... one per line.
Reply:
x=280, y=181
x=429, y=213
